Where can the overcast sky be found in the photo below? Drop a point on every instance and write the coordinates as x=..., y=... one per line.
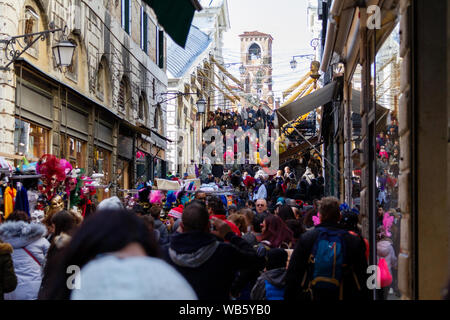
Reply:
x=286, y=21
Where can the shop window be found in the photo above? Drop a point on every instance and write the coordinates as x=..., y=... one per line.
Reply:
x=30, y=140
x=123, y=173
x=386, y=94
x=74, y=151
x=102, y=164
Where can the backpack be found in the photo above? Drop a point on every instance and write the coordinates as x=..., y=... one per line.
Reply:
x=326, y=263
x=273, y=292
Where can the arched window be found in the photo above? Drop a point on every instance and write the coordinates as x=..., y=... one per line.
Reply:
x=143, y=107
x=30, y=24
x=124, y=99
x=100, y=87
x=254, y=52
x=157, y=121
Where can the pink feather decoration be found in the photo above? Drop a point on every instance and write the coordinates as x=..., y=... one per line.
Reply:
x=156, y=196
x=65, y=165
x=316, y=220
x=388, y=220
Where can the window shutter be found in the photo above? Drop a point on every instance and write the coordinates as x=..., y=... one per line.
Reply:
x=145, y=32
x=161, y=49
x=129, y=17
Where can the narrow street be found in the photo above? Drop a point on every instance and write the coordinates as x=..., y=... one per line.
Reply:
x=224, y=150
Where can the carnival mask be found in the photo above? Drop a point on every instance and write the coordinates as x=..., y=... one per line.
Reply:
x=72, y=184
x=57, y=203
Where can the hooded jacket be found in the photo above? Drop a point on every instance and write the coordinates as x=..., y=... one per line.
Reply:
x=208, y=264
x=27, y=266
x=275, y=277
x=356, y=266
x=8, y=279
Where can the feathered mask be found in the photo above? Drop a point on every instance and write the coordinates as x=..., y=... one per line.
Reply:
x=49, y=166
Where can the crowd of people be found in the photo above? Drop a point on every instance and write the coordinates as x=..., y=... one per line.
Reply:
x=205, y=251
x=249, y=117
x=389, y=216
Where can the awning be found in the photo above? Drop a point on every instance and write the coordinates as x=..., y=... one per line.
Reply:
x=175, y=16
x=306, y=104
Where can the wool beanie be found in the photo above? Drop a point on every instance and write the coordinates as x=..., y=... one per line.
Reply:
x=176, y=212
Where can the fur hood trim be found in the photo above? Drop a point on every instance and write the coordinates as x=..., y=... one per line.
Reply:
x=20, y=233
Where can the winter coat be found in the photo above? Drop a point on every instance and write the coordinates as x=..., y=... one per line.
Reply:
x=8, y=279
x=28, y=269
x=208, y=264
x=163, y=232
x=261, y=193
x=134, y=278
x=356, y=266
x=386, y=250
x=270, y=285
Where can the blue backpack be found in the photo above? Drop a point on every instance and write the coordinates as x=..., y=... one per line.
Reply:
x=327, y=259
x=273, y=292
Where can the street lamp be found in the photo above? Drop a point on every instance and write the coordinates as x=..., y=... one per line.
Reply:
x=201, y=106
x=63, y=53
x=63, y=50
x=294, y=62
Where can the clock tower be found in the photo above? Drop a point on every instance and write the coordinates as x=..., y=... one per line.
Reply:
x=256, y=57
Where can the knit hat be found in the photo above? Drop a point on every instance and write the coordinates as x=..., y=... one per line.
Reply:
x=176, y=212
x=112, y=278
x=112, y=203
x=276, y=258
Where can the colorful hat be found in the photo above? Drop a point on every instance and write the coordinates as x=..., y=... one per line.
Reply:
x=176, y=212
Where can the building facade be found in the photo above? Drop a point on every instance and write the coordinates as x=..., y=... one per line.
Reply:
x=193, y=74
x=99, y=112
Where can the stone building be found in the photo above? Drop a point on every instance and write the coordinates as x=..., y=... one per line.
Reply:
x=256, y=57
x=194, y=75
x=394, y=68
x=102, y=109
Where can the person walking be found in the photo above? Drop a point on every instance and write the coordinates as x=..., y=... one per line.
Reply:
x=118, y=260
x=30, y=248
x=271, y=284
x=315, y=273
x=200, y=254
